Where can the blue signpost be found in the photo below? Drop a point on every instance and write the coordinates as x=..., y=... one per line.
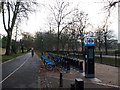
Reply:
x=89, y=57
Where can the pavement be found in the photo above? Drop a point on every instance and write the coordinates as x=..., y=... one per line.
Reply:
x=106, y=77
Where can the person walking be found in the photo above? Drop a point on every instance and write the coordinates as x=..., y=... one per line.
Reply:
x=32, y=52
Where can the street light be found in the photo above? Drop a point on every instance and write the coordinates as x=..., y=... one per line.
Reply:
x=82, y=40
x=42, y=45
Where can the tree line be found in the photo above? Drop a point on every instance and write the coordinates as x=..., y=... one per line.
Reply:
x=70, y=26
x=47, y=41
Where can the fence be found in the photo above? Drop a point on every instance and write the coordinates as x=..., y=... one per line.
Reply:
x=108, y=59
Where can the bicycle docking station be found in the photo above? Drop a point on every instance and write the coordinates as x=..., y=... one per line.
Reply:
x=89, y=57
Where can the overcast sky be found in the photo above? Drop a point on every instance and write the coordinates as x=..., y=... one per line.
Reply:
x=94, y=9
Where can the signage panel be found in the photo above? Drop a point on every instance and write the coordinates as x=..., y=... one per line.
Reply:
x=89, y=41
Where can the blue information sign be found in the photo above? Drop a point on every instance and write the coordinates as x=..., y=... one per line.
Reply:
x=89, y=41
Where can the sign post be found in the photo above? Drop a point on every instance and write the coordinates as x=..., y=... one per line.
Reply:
x=89, y=57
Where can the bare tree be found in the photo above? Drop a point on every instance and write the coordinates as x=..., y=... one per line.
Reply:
x=79, y=22
x=111, y=3
x=82, y=23
x=0, y=7
x=11, y=11
x=27, y=40
x=105, y=24
x=100, y=38
x=60, y=13
x=50, y=24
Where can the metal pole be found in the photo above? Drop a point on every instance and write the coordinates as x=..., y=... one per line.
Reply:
x=61, y=80
x=101, y=56
x=81, y=66
x=72, y=86
x=115, y=58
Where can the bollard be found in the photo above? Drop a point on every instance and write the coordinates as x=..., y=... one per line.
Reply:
x=81, y=66
x=101, y=56
x=79, y=84
x=72, y=86
x=61, y=80
x=68, y=65
x=77, y=64
x=115, y=58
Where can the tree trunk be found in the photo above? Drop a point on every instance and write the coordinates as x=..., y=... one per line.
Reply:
x=58, y=40
x=8, y=45
x=82, y=46
x=99, y=47
x=63, y=46
x=106, y=52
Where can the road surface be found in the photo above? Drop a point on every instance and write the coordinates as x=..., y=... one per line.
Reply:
x=22, y=72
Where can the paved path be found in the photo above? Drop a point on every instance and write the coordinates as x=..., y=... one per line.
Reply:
x=22, y=72
x=108, y=56
x=104, y=78
x=106, y=73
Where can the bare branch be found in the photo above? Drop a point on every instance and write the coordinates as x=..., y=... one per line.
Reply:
x=64, y=15
x=15, y=14
x=3, y=15
x=112, y=4
x=8, y=7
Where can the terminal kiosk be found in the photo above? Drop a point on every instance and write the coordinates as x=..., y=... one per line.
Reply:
x=89, y=57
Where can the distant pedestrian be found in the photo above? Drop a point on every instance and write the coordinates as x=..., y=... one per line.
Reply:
x=32, y=52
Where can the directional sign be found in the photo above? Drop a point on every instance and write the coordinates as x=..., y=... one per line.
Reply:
x=89, y=41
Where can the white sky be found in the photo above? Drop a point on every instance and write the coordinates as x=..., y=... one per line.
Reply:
x=94, y=9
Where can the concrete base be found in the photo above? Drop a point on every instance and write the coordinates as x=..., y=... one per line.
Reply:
x=95, y=80
x=89, y=75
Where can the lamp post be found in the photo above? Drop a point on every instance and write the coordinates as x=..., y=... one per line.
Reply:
x=82, y=41
x=42, y=45
x=22, y=45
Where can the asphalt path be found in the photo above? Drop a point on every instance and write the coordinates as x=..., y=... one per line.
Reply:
x=22, y=72
x=108, y=56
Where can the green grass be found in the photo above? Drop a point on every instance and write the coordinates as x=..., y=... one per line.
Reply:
x=107, y=61
x=103, y=52
x=8, y=57
x=38, y=53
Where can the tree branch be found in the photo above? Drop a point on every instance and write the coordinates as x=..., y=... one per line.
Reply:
x=66, y=14
x=8, y=8
x=3, y=14
x=15, y=14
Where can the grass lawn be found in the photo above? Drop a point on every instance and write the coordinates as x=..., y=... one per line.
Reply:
x=107, y=61
x=8, y=57
x=109, y=52
x=38, y=53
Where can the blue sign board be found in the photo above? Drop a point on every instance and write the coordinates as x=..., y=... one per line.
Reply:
x=89, y=41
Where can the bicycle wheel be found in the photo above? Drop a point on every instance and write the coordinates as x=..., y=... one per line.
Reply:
x=49, y=67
